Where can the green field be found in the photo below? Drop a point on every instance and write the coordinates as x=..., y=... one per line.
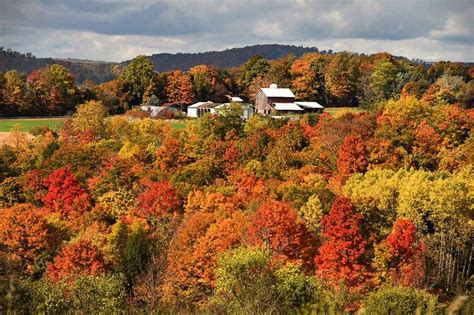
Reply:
x=29, y=123
x=55, y=123
x=178, y=124
x=335, y=110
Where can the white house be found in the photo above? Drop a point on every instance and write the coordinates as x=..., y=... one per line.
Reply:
x=200, y=108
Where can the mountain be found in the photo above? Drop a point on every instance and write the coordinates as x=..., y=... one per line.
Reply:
x=101, y=71
x=226, y=58
x=97, y=71
x=14, y=60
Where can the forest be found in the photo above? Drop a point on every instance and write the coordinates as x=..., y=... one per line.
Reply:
x=333, y=80
x=369, y=212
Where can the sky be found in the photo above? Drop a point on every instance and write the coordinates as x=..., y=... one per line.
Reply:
x=120, y=30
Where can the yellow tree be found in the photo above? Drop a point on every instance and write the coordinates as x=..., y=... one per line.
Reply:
x=90, y=117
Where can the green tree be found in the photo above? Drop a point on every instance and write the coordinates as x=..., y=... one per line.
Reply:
x=227, y=119
x=383, y=79
x=248, y=282
x=135, y=79
x=399, y=301
x=135, y=254
x=87, y=294
x=254, y=67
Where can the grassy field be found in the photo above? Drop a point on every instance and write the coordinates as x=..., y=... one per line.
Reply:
x=6, y=124
x=178, y=124
x=336, y=110
x=29, y=123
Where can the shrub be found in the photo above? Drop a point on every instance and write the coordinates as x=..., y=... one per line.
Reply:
x=400, y=300
x=248, y=281
x=87, y=295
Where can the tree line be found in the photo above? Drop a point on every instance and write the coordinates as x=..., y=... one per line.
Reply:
x=333, y=80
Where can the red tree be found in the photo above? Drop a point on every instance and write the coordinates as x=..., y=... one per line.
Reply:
x=352, y=156
x=80, y=258
x=157, y=200
x=65, y=193
x=277, y=226
x=340, y=257
x=406, y=261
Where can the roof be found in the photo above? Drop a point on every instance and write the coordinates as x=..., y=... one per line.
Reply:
x=198, y=104
x=153, y=110
x=172, y=104
x=207, y=104
x=222, y=105
x=277, y=92
x=236, y=99
x=286, y=106
x=309, y=104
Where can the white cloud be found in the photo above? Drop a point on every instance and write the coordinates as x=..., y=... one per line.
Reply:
x=117, y=30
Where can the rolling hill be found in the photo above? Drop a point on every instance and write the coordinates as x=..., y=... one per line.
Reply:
x=226, y=58
x=101, y=71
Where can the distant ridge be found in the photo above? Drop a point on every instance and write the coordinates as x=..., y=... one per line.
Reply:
x=97, y=71
x=226, y=58
x=101, y=71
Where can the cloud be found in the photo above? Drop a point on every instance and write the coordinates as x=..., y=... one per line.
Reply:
x=114, y=30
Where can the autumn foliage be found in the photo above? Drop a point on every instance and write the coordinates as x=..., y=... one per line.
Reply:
x=406, y=255
x=27, y=235
x=277, y=226
x=341, y=255
x=352, y=156
x=157, y=200
x=79, y=258
x=65, y=194
x=325, y=211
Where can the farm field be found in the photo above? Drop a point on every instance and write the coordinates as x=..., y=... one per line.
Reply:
x=29, y=123
x=6, y=124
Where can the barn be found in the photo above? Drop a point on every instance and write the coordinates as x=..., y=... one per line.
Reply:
x=282, y=101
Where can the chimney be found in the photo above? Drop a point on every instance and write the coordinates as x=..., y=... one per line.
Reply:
x=273, y=86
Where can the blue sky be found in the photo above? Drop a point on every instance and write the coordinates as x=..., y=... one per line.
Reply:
x=119, y=30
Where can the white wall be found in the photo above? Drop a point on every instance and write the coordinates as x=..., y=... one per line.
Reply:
x=192, y=112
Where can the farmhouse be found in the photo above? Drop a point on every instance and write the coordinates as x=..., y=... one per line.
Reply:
x=281, y=101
